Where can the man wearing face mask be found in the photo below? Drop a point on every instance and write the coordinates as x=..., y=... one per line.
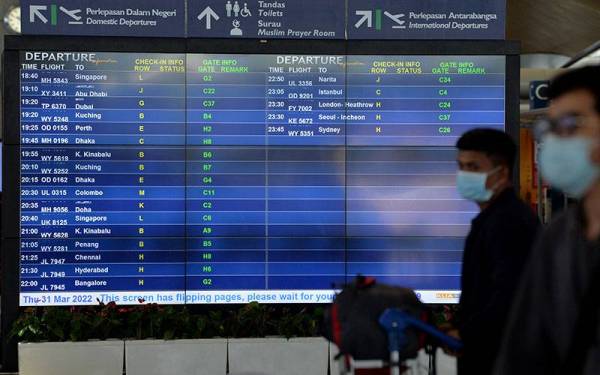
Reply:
x=496, y=248
x=554, y=326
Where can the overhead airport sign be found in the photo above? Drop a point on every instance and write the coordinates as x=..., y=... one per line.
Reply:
x=106, y=17
x=267, y=19
x=538, y=94
x=426, y=19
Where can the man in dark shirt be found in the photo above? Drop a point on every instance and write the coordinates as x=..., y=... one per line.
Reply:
x=496, y=249
x=554, y=327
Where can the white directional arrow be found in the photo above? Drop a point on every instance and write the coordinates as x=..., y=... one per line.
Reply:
x=367, y=16
x=209, y=14
x=35, y=11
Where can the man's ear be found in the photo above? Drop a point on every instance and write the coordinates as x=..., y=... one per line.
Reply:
x=505, y=173
x=595, y=155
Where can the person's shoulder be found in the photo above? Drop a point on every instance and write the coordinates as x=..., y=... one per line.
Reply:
x=560, y=223
x=517, y=212
x=551, y=249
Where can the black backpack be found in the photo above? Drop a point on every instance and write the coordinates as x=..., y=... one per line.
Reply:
x=352, y=320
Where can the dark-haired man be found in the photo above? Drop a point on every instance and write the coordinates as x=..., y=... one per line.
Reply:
x=496, y=248
x=555, y=323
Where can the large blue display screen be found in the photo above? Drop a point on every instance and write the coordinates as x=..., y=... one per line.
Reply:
x=234, y=178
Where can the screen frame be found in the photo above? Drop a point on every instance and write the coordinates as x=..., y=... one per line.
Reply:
x=11, y=113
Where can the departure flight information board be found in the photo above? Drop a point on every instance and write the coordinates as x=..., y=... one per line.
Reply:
x=206, y=178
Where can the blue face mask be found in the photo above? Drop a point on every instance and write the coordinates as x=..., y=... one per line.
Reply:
x=565, y=163
x=471, y=185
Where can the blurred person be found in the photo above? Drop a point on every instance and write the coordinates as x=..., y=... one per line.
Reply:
x=554, y=325
x=496, y=248
x=0, y=234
